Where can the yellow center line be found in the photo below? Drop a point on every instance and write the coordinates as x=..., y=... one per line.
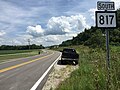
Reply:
x=19, y=65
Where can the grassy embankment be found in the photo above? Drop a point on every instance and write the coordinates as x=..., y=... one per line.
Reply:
x=12, y=54
x=92, y=73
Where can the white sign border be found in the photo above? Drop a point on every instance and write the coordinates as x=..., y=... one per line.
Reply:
x=106, y=12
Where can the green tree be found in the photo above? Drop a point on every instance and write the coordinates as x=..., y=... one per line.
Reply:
x=97, y=40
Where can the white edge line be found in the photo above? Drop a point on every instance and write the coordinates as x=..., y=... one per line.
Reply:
x=43, y=76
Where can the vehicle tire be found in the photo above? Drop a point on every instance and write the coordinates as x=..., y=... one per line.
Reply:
x=62, y=62
x=76, y=62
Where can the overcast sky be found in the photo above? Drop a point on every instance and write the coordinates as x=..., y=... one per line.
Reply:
x=45, y=22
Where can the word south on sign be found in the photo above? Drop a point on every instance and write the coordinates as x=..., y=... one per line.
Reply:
x=105, y=5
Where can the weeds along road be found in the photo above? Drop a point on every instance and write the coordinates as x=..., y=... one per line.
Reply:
x=22, y=74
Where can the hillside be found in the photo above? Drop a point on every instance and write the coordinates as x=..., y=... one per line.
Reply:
x=95, y=37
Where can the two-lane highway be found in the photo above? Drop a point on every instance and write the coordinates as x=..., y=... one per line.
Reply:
x=22, y=74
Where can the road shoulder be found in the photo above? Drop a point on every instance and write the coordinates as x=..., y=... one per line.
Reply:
x=58, y=74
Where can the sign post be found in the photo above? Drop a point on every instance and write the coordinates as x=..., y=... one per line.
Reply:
x=106, y=20
x=107, y=48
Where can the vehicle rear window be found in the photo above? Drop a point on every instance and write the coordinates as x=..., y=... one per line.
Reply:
x=69, y=50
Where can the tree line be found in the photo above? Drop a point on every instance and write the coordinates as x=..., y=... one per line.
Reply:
x=22, y=47
x=95, y=37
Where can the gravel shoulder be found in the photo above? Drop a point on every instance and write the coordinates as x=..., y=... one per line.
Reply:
x=58, y=74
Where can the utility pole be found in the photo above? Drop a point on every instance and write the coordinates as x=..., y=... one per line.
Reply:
x=12, y=43
x=29, y=43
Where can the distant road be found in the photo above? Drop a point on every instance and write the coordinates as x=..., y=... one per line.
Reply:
x=22, y=74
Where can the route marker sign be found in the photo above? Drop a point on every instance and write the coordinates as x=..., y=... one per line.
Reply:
x=106, y=19
x=101, y=5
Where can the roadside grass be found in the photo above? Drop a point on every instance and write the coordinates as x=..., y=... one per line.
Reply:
x=6, y=55
x=92, y=73
x=2, y=52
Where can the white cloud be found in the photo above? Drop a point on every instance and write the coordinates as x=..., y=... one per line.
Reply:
x=16, y=15
x=60, y=26
x=44, y=40
x=51, y=38
x=35, y=31
x=63, y=25
x=2, y=33
x=54, y=39
x=117, y=3
x=58, y=29
x=92, y=13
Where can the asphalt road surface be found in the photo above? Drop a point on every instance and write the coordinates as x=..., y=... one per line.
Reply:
x=22, y=74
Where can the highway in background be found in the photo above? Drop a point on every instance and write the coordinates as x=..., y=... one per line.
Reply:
x=22, y=74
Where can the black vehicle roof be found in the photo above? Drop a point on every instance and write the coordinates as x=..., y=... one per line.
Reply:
x=71, y=49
